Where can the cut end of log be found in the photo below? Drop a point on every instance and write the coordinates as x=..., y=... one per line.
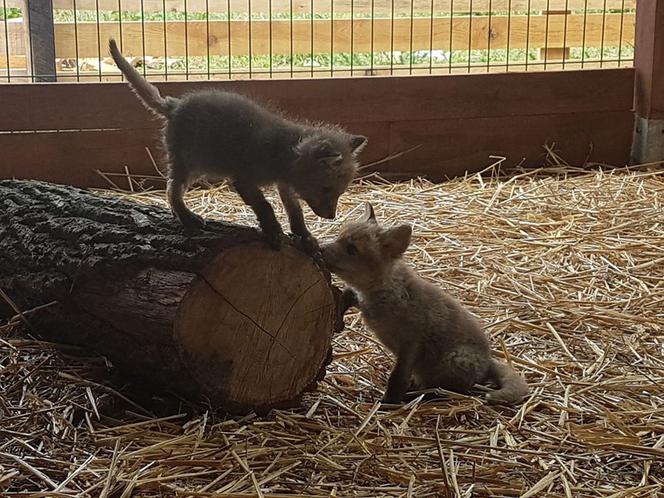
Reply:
x=255, y=325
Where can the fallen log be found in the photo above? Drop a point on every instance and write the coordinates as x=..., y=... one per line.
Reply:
x=215, y=316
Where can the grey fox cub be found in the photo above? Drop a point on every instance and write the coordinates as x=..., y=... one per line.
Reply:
x=217, y=134
x=437, y=343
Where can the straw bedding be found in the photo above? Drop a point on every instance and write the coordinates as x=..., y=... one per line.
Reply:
x=565, y=268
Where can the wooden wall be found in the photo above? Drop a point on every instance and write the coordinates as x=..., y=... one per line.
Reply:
x=65, y=132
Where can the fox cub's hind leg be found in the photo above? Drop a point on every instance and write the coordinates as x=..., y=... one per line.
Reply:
x=175, y=190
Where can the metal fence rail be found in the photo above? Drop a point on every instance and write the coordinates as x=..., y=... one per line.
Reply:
x=222, y=39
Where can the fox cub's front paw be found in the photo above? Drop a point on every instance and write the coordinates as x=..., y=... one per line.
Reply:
x=274, y=238
x=190, y=221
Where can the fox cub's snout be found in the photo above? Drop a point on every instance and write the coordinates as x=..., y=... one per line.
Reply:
x=364, y=248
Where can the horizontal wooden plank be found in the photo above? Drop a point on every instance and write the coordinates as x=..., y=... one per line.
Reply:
x=73, y=157
x=199, y=38
x=14, y=62
x=112, y=74
x=342, y=100
x=359, y=7
x=447, y=147
x=452, y=147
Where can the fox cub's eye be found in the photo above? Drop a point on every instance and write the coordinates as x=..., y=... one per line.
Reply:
x=351, y=250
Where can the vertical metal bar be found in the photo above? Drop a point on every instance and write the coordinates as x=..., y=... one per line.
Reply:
x=620, y=39
x=601, y=49
x=546, y=33
x=251, y=54
x=331, y=38
x=38, y=15
x=470, y=34
x=470, y=37
x=489, y=34
x=270, y=34
x=98, y=39
x=509, y=35
x=228, y=20
x=583, y=41
x=311, y=17
x=4, y=18
x=78, y=67
x=186, y=39
x=528, y=34
x=163, y=7
x=410, y=57
x=431, y=38
x=207, y=35
x=373, y=17
x=565, y=52
x=145, y=69
x=449, y=59
x=352, y=34
x=291, y=38
x=392, y=40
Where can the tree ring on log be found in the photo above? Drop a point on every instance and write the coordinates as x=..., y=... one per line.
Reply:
x=254, y=327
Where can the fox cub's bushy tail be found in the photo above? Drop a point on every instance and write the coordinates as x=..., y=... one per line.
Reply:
x=146, y=92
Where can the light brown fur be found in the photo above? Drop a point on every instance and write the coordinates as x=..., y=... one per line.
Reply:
x=437, y=343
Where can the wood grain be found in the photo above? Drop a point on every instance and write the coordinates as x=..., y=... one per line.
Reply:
x=345, y=101
x=360, y=7
x=649, y=60
x=453, y=147
x=281, y=37
x=219, y=318
x=446, y=147
x=227, y=335
x=74, y=157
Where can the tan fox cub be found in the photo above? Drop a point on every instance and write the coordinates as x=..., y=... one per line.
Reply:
x=437, y=343
x=217, y=134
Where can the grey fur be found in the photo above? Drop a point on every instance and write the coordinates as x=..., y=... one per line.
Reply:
x=437, y=343
x=217, y=134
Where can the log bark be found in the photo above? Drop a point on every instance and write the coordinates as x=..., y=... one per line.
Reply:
x=216, y=316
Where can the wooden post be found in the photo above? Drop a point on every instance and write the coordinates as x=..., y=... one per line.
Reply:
x=648, y=144
x=40, y=51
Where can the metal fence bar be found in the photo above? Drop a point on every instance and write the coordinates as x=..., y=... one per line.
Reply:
x=4, y=22
x=163, y=13
x=178, y=39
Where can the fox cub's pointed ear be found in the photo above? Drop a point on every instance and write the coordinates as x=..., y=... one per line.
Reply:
x=395, y=241
x=357, y=143
x=368, y=216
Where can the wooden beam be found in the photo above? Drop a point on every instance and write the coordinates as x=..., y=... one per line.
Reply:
x=379, y=8
x=451, y=147
x=38, y=16
x=14, y=62
x=446, y=147
x=521, y=32
x=649, y=60
x=340, y=35
x=350, y=100
x=458, y=121
x=74, y=157
x=648, y=145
